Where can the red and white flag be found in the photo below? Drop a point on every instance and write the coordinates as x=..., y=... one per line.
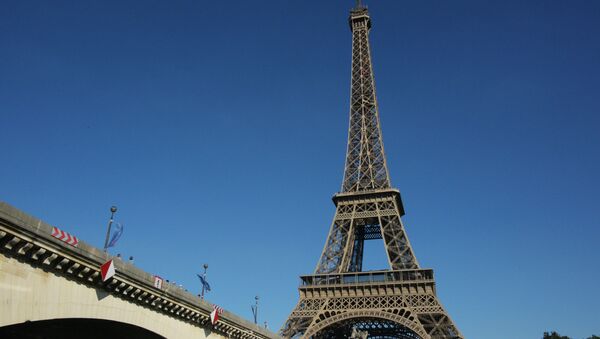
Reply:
x=107, y=270
x=214, y=315
x=158, y=282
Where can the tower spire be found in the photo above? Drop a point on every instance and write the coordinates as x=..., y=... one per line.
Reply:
x=365, y=168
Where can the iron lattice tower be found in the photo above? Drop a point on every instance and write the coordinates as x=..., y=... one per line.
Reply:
x=339, y=298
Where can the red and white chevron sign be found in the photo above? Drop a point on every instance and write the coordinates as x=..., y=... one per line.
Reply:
x=64, y=236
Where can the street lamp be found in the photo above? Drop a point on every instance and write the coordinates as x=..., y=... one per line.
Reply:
x=204, y=276
x=113, y=210
x=255, y=309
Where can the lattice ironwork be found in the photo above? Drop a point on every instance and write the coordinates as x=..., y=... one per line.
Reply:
x=396, y=303
x=366, y=167
x=361, y=219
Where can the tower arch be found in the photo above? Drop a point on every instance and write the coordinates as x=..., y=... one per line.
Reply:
x=378, y=323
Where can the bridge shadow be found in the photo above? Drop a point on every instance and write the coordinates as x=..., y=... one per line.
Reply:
x=101, y=294
x=207, y=331
x=75, y=329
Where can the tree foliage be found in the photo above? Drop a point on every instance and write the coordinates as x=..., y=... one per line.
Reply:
x=554, y=335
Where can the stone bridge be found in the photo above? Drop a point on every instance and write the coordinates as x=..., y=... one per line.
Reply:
x=52, y=289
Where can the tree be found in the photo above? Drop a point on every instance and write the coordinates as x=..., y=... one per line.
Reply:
x=554, y=335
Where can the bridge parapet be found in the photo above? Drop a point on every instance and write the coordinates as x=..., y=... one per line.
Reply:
x=30, y=240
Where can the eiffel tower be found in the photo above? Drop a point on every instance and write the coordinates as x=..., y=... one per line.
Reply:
x=340, y=300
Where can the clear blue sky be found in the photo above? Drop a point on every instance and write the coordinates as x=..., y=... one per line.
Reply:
x=219, y=129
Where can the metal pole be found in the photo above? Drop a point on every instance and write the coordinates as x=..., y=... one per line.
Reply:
x=113, y=210
x=204, y=275
x=255, y=310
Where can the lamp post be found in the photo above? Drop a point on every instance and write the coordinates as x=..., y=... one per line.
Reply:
x=204, y=275
x=113, y=210
x=255, y=310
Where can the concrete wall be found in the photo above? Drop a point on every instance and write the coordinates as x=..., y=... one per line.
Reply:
x=30, y=293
